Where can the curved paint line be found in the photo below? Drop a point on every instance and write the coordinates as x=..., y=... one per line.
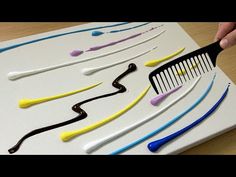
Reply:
x=81, y=113
x=155, y=145
x=152, y=63
x=26, y=102
x=168, y=123
x=66, y=136
x=100, y=142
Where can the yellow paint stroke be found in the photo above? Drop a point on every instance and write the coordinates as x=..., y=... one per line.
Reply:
x=152, y=63
x=66, y=136
x=182, y=72
x=25, y=103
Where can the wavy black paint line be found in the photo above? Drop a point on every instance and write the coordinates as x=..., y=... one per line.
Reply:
x=82, y=114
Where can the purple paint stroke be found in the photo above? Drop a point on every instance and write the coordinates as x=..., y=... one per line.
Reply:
x=79, y=52
x=157, y=100
x=113, y=43
x=122, y=40
x=76, y=53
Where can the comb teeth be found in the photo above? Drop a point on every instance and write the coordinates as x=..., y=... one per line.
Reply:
x=169, y=78
x=185, y=68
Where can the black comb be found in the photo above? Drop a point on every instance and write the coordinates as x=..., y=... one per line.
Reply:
x=194, y=64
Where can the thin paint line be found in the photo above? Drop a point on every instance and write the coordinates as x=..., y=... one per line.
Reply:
x=19, y=74
x=58, y=35
x=92, y=70
x=98, y=33
x=79, y=52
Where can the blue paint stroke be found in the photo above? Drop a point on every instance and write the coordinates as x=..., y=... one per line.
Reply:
x=155, y=145
x=199, y=100
x=58, y=35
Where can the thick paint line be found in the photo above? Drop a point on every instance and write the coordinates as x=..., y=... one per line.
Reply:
x=156, y=145
x=100, y=142
x=157, y=100
x=26, y=102
x=66, y=136
x=198, y=101
x=152, y=63
x=82, y=114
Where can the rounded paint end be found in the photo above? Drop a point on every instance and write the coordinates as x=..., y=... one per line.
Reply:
x=76, y=53
x=97, y=33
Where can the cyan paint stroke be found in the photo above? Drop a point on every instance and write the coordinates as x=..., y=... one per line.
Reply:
x=98, y=33
x=58, y=35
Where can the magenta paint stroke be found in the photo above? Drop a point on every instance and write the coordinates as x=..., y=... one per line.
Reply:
x=157, y=100
x=76, y=53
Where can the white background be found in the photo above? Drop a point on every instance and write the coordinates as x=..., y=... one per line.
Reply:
x=16, y=122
